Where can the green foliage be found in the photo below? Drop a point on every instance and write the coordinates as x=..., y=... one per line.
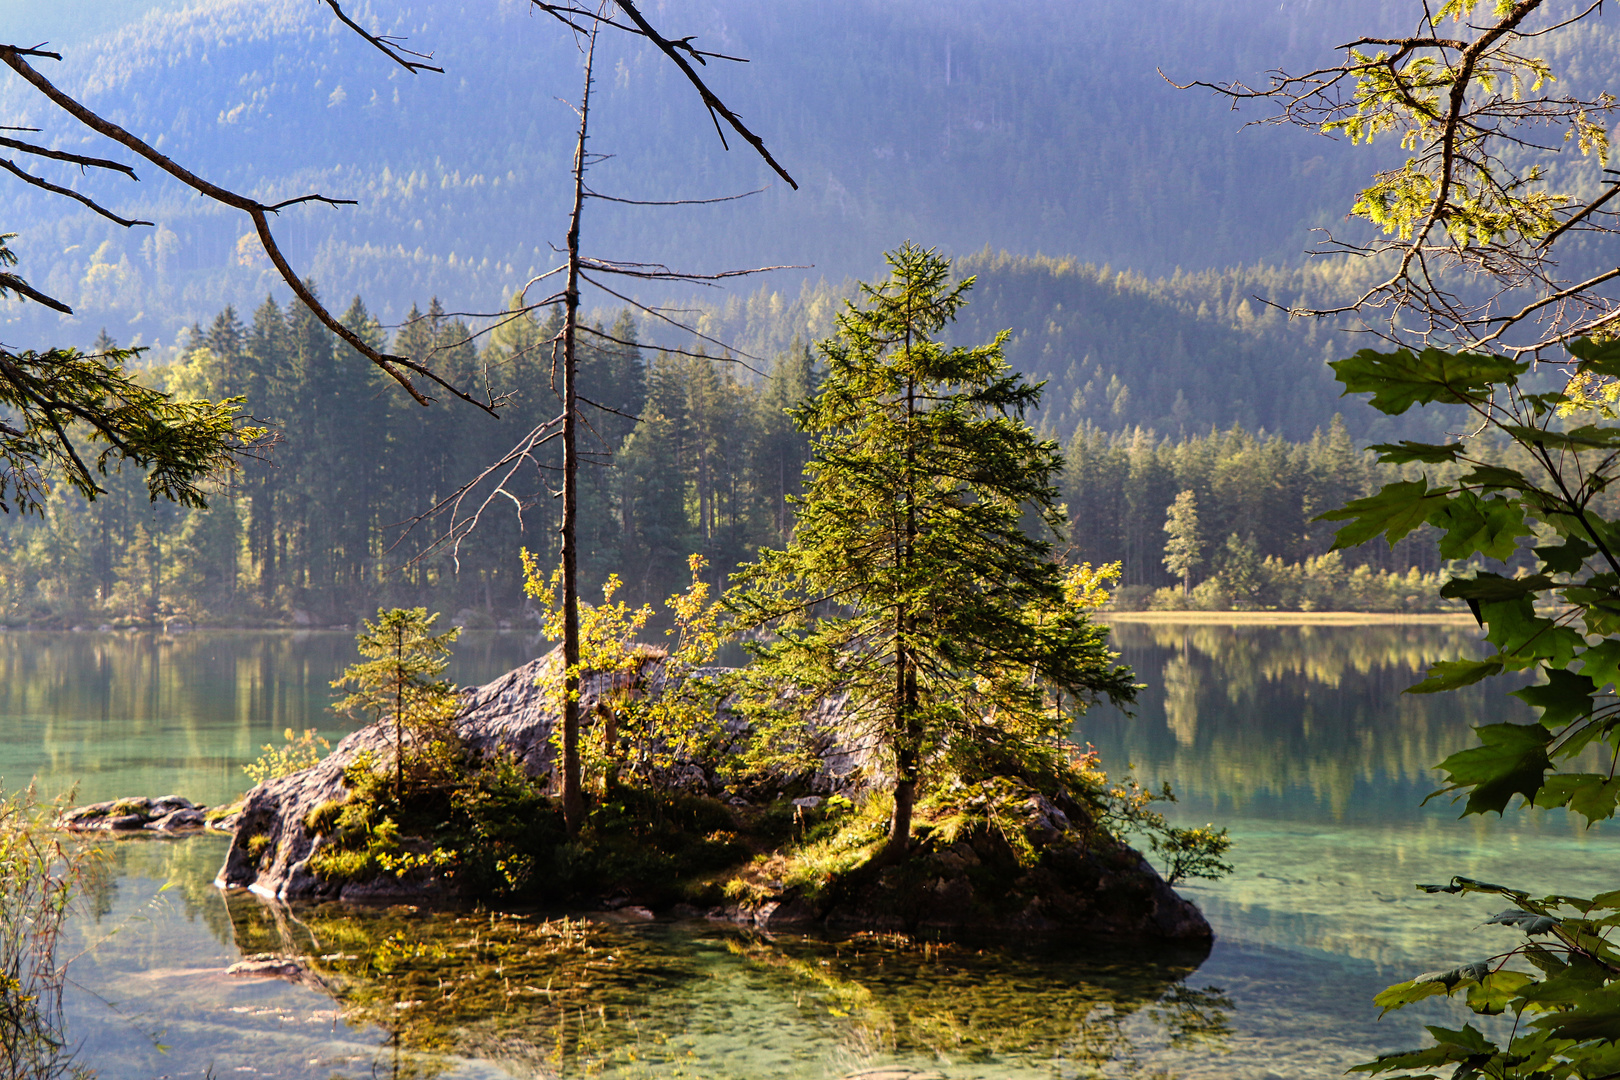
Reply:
x=1323, y=583
x=300, y=752
x=38, y=880
x=490, y=829
x=1257, y=499
x=69, y=418
x=1183, y=553
x=655, y=706
x=400, y=684
x=1401, y=379
x=1559, y=623
x=482, y=824
x=909, y=581
x=1194, y=852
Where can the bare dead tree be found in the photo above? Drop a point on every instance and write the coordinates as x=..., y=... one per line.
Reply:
x=21, y=60
x=496, y=484
x=1465, y=231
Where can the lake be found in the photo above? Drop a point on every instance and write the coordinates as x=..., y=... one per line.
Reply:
x=1296, y=738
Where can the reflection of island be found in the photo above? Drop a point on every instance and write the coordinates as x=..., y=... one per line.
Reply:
x=565, y=996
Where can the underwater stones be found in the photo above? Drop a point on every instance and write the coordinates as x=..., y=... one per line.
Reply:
x=168, y=814
x=267, y=966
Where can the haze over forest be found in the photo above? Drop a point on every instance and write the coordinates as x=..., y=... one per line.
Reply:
x=1035, y=127
x=1026, y=128
x=1125, y=232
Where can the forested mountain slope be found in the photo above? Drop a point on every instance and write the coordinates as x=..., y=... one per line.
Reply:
x=1040, y=126
x=1117, y=350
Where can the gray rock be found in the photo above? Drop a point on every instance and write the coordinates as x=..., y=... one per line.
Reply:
x=179, y=821
x=508, y=715
x=1084, y=881
x=131, y=814
x=511, y=715
x=122, y=822
x=267, y=966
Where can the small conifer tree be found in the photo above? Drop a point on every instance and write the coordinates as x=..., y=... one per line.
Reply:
x=1183, y=553
x=402, y=679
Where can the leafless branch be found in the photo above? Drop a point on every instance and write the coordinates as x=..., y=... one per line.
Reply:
x=395, y=366
x=658, y=314
x=388, y=46
x=18, y=285
x=503, y=470
x=60, y=155
x=594, y=332
x=1581, y=214
x=678, y=50
x=668, y=202
x=660, y=272
x=45, y=185
x=608, y=409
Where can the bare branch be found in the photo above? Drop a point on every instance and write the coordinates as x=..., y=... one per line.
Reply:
x=388, y=46
x=395, y=366
x=674, y=49
x=660, y=272
x=60, y=155
x=672, y=202
x=1582, y=213
x=608, y=409
x=18, y=285
x=658, y=314
x=46, y=185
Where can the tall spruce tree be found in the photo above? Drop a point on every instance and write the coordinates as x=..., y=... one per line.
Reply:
x=909, y=582
x=1184, y=551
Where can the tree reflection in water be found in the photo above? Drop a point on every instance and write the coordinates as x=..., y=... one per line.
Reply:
x=1239, y=712
x=568, y=996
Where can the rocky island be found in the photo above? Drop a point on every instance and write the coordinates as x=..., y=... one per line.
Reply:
x=997, y=854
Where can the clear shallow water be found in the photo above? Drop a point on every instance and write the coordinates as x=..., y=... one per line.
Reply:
x=1296, y=738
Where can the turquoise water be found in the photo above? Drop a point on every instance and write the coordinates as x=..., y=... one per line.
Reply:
x=1295, y=738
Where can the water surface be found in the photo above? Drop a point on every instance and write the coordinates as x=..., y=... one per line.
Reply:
x=1296, y=738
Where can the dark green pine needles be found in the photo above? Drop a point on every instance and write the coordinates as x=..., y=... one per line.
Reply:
x=920, y=576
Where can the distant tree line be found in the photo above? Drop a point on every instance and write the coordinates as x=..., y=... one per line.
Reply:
x=318, y=532
x=1225, y=519
x=690, y=454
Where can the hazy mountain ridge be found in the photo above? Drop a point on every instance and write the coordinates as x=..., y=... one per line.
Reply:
x=1028, y=128
x=973, y=125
